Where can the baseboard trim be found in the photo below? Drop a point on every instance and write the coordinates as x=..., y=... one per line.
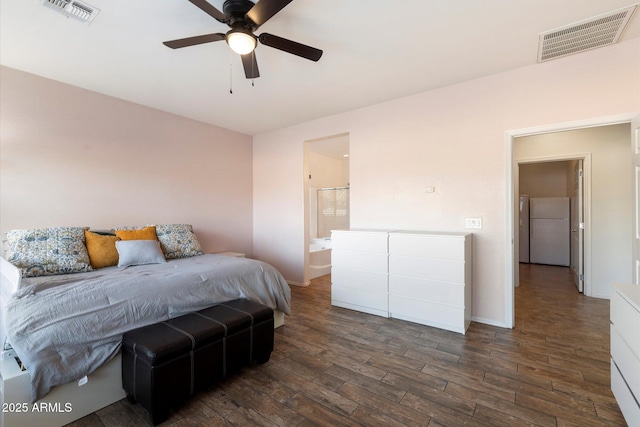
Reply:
x=489, y=322
x=292, y=283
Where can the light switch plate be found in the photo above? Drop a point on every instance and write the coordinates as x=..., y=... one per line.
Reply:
x=473, y=223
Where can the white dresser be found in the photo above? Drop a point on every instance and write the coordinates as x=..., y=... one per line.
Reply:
x=625, y=350
x=430, y=278
x=360, y=270
x=422, y=277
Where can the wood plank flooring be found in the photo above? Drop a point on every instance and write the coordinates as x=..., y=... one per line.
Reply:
x=336, y=367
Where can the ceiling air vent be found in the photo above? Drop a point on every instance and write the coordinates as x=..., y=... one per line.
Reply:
x=599, y=31
x=73, y=8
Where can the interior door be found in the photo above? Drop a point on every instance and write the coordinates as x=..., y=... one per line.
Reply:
x=635, y=139
x=577, y=227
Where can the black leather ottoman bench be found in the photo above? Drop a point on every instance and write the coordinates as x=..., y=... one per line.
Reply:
x=165, y=363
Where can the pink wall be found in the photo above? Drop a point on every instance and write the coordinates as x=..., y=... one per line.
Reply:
x=452, y=139
x=74, y=157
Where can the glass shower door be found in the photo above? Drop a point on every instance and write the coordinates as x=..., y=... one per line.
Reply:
x=333, y=210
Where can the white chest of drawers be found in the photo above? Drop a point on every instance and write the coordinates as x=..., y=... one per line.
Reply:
x=625, y=350
x=422, y=277
x=430, y=278
x=359, y=270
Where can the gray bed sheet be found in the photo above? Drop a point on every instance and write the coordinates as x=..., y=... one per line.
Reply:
x=65, y=327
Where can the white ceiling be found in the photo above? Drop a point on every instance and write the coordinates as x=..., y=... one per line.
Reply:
x=374, y=50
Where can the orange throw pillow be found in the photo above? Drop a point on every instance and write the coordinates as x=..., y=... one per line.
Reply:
x=102, y=249
x=146, y=233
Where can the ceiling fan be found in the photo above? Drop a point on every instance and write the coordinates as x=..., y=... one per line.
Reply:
x=244, y=17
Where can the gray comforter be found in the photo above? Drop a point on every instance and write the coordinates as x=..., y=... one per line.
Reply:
x=65, y=327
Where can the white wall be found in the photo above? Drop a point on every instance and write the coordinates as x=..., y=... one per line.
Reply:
x=78, y=158
x=453, y=139
x=326, y=171
x=611, y=194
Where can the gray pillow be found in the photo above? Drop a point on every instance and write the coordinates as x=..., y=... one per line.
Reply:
x=139, y=252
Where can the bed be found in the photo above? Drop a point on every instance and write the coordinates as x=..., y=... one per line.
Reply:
x=67, y=328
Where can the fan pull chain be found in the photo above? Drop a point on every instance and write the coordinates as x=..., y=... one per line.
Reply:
x=253, y=70
x=230, y=73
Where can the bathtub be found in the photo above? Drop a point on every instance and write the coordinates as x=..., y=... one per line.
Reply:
x=319, y=257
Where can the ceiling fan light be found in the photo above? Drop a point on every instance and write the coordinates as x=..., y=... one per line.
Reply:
x=240, y=42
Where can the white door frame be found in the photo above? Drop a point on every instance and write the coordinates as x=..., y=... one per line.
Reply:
x=510, y=255
x=635, y=142
x=577, y=225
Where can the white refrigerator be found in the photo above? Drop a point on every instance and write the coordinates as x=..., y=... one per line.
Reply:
x=549, y=231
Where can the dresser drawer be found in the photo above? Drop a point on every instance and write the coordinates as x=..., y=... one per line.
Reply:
x=363, y=261
x=357, y=299
x=626, y=361
x=428, y=313
x=627, y=322
x=439, y=270
x=360, y=241
x=427, y=246
x=439, y=292
x=365, y=280
x=625, y=399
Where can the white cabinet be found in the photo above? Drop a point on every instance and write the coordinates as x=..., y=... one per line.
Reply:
x=625, y=350
x=359, y=270
x=422, y=277
x=430, y=278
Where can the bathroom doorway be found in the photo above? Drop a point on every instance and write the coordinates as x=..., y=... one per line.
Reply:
x=328, y=200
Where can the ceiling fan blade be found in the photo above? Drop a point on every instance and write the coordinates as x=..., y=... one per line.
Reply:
x=191, y=41
x=265, y=9
x=290, y=46
x=205, y=6
x=250, y=65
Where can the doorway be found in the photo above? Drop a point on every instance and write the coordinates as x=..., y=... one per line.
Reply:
x=599, y=200
x=551, y=214
x=327, y=201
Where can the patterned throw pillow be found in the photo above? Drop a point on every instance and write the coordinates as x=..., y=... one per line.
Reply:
x=48, y=251
x=178, y=240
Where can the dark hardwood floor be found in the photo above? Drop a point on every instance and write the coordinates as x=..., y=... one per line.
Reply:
x=336, y=367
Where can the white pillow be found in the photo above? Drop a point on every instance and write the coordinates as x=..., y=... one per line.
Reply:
x=139, y=252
